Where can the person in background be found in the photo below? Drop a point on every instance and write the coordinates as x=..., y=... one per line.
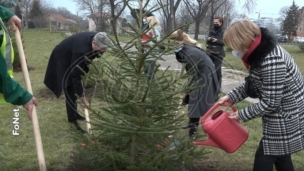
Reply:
x=215, y=46
x=203, y=76
x=152, y=35
x=66, y=66
x=10, y=90
x=276, y=80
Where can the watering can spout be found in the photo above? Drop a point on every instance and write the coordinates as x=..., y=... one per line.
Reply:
x=207, y=142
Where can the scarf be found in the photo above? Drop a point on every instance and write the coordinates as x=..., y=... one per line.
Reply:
x=255, y=43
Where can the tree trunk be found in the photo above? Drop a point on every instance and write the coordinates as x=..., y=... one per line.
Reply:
x=197, y=27
x=171, y=17
x=113, y=17
x=212, y=15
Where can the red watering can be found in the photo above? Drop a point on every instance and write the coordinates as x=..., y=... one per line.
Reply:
x=223, y=132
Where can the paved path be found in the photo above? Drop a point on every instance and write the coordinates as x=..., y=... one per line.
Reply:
x=230, y=79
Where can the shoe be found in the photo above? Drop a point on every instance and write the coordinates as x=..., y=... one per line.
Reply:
x=78, y=127
x=192, y=133
x=81, y=118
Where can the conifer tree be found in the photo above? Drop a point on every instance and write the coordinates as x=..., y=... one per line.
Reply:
x=36, y=10
x=290, y=23
x=135, y=121
x=36, y=18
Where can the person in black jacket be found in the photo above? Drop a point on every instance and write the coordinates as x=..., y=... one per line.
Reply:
x=203, y=73
x=63, y=73
x=215, y=46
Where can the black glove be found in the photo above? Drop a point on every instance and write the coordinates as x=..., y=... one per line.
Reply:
x=186, y=100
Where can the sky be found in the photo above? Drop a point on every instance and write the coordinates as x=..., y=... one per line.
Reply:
x=270, y=8
x=267, y=8
x=68, y=4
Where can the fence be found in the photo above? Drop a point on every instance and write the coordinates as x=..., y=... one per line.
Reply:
x=43, y=30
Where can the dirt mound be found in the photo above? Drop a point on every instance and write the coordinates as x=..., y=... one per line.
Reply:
x=46, y=94
x=19, y=69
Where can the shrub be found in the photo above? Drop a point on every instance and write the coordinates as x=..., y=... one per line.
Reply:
x=228, y=49
x=301, y=46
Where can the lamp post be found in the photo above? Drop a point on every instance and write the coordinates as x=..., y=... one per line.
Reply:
x=259, y=17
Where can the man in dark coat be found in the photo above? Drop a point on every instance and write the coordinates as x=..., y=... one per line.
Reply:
x=63, y=73
x=215, y=46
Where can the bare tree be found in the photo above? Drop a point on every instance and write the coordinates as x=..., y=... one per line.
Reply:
x=182, y=17
x=46, y=6
x=283, y=13
x=96, y=9
x=25, y=7
x=226, y=11
x=215, y=6
x=249, y=5
x=197, y=10
x=89, y=7
x=169, y=8
x=117, y=7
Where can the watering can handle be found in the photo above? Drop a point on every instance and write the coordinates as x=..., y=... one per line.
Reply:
x=216, y=105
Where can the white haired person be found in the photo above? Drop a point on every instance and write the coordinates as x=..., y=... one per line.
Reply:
x=62, y=73
x=276, y=80
x=203, y=77
x=151, y=36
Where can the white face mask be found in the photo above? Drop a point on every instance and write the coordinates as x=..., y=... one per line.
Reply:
x=238, y=54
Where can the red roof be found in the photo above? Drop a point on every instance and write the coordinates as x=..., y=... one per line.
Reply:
x=59, y=18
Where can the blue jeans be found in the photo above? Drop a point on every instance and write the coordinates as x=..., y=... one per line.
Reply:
x=149, y=69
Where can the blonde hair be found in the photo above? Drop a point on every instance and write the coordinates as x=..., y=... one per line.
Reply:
x=182, y=36
x=240, y=34
x=152, y=21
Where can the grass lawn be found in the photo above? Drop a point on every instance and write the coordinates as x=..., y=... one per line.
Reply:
x=231, y=62
x=18, y=153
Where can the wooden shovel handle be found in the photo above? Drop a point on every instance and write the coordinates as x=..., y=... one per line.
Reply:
x=86, y=112
x=28, y=86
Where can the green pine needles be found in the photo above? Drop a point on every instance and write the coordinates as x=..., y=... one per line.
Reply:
x=136, y=121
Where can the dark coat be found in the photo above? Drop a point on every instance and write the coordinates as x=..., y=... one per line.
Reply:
x=278, y=82
x=203, y=73
x=216, y=48
x=62, y=70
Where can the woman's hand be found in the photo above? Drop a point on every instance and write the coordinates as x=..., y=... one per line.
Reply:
x=225, y=101
x=234, y=115
x=85, y=103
